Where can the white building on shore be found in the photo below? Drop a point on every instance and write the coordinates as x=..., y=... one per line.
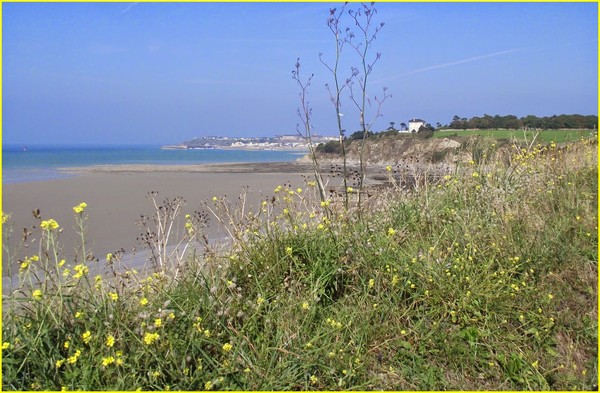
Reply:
x=415, y=124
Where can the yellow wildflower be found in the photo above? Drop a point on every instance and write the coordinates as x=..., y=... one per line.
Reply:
x=80, y=208
x=391, y=231
x=108, y=360
x=80, y=270
x=260, y=300
x=37, y=294
x=113, y=296
x=305, y=306
x=59, y=363
x=5, y=345
x=150, y=338
x=143, y=301
x=388, y=168
x=157, y=322
x=49, y=225
x=87, y=336
x=110, y=341
x=73, y=359
x=227, y=347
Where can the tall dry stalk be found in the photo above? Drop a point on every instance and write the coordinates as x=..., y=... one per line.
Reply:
x=304, y=113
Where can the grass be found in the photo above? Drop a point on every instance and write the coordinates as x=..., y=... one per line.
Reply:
x=484, y=280
x=543, y=136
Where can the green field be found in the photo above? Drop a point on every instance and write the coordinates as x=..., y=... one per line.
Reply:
x=557, y=136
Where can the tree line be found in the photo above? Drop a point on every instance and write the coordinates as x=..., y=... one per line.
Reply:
x=554, y=122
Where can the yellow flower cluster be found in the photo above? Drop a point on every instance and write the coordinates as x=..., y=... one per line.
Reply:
x=151, y=338
x=333, y=323
x=197, y=324
x=110, y=341
x=80, y=270
x=73, y=359
x=108, y=361
x=37, y=294
x=49, y=225
x=87, y=337
x=80, y=208
x=27, y=261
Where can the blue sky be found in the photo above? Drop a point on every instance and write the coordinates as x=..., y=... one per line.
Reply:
x=157, y=73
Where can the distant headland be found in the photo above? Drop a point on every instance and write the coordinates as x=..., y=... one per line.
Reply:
x=278, y=142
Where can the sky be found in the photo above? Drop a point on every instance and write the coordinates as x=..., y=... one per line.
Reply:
x=163, y=73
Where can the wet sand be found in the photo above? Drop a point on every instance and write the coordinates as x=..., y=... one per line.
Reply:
x=118, y=195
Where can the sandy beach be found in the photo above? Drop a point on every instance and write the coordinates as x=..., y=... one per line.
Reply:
x=118, y=195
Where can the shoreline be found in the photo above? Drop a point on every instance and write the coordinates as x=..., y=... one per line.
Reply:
x=226, y=167
x=118, y=195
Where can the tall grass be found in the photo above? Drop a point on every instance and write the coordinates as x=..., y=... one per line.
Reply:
x=485, y=279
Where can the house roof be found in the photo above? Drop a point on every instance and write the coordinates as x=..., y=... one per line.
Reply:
x=416, y=121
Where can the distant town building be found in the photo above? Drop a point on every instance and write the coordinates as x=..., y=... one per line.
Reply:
x=289, y=138
x=415, y=124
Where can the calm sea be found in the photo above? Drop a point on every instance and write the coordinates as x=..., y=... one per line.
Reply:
x=37, y=163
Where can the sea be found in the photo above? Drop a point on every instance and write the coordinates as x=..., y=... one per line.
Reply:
x=37, y=163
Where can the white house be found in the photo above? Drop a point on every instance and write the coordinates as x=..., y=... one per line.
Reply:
x=415, y=124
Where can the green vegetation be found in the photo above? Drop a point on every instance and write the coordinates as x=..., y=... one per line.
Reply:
x=483, y=280
x=554, y=122
x=543, y=136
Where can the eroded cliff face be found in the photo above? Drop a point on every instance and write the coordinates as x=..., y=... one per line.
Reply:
x=398, y=150
x=395, y=150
